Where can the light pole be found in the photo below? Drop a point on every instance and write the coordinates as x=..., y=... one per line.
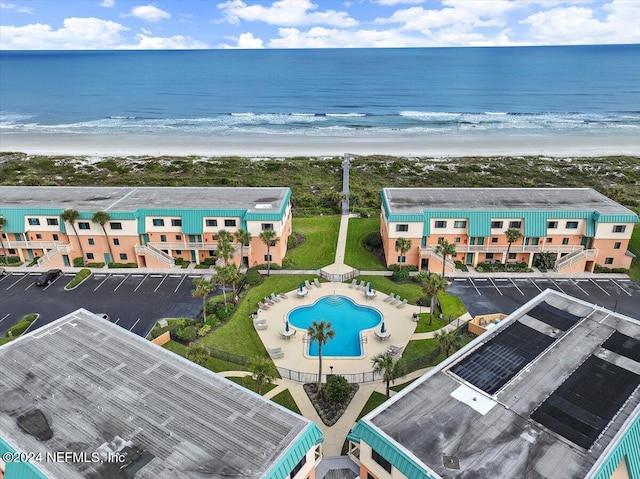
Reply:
x=331, y=370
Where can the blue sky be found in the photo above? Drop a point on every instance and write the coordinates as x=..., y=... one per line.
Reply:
x=186, y=24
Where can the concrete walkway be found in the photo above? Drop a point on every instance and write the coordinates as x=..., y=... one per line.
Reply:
x=452, y=326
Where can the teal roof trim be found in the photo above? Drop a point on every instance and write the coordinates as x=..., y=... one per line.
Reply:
x=15, y=218
x=385, y=205
x=263, y=216
x=628, y=448
x=19, y=470
x=390, y=451
x=310, y=437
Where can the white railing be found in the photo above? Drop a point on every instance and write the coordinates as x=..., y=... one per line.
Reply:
x=574, y=257
x=155, y=253
x=430, y=251
x=54, y=251
x=32, y=244
x=516, y=248
x=191, y=245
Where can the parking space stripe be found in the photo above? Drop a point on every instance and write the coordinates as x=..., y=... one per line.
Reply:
x=116, y=321
x=534, y=283
x=497, y=289
x=6, y=316
x=140, y=283
x=474, y=286
x=516, y=287
x=558, y=286
x=180, y=283
x=575, y=283
x=614, y=282
x=603, y=290
x=121, y=282
x=102, y=282
x=12, y=285
x=160, y=284
x=134, y=324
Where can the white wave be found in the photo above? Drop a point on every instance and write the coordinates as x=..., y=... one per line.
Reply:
x=428, y=115
x=303, y=114
x=118, y=117
x=243, y=114
x=345, y=115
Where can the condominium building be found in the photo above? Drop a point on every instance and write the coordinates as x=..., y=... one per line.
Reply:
x=580, y=226
x=151, y=227
x=552, y=391
x=83, y=398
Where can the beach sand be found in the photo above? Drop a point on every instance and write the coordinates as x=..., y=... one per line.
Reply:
x=473, y=144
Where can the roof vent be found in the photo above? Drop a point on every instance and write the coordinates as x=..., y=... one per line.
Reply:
x=264, y=206
x=35, y=423
x=451, y=462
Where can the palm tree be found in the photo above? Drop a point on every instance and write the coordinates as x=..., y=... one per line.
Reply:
x=225, y=250
x=390, y=370
x=513, y=235
x=269, y=238
x=432, y=285
x=71, y=216
x=321, y=332
x=223, y=275
x=403, y=245
x=224, y=235
x=102, y=218
x=244, y=238
x=446, y=249
x=3, y=221
x=202, y=288
x=448, y=341
x=261, y=371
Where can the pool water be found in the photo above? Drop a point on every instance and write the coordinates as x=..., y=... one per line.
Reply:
x=347, y=320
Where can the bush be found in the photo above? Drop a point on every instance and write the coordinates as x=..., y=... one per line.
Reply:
x=22, y=325
x=400, y=275
x=253, y=277
x=123, y=265
x=337, y=388
x=95, y=265
x=421, y=277
x=186, y=334
x=198, y=355
x=461, y=267
x=292, y=242
x=79, y=278
x=221, y=313
x=372, y=241
x=211, y=261
x=603, y=269
x=398, y=267
x=204, y=330
x=264, y=266
x=78, y=262
x=14, y=260
x=183, y=263
x=545, y=261
x=425, y=301
x=34, y=261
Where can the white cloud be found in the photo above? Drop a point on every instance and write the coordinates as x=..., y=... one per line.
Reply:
x=245, y=40
x=108, y=3
x=289, y=13
x=17, y=8
x=75, y=34
x=396, y=2
x=149, y=13
x=176, y=42
x=319, y=37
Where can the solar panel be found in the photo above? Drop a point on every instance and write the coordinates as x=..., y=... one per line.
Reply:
x=582, y=406
x=623, y=345
x=494, y=363
x=554, y=317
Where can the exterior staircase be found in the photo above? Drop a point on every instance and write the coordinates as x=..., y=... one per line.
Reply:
x=54, y=251
x=154, y=252
x=574, y=257
x=431, y=252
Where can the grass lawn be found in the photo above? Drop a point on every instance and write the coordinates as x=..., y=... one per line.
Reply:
x=250, y=383
x=424, y=347
x=355, y=254
x=213, y=364
x=319, y=249
x=423, y=324
x=384, y=284
x=634, y=247
x=400, y=387
x=285, y=399
x=373, y=402
x=451, y=305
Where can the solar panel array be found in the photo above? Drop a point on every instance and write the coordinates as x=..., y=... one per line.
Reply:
x=582, y=406
x=494, y=363
x=623, y=345
x=554, y=317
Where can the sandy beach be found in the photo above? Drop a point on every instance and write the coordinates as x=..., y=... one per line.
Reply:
x=181, y=144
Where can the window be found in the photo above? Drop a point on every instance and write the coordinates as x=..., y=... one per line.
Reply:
x=488, y=255
x=179, y=237
x=158, y=222
x=617, y=245
x=386, y=465
x=440, y=224
x=211, y=222
x=549, y=240
x=515, y=224
x=496, y=224
x=12, y=251
x=84, y=225
x=512, y=255
x=91, y=242
x=34, y=221
x=402, y=227
x=494, y=240
x=229, y=222
x=178, y=251
x=116, y=242
x=619, y=228
x=456, y=239
x=459, y=224
x=565, y=240
x=212, y=253
x=55, y=237
x=298, y=467
x=89, y=255
x=267, y=226
x=552, y=224
x=402, y=259
x=267, y=257
x=115, y=225
x=163, y=238
x=123, y=256
x=176, y=222
x=608, y=261
x=38, y=236
x=572, y=225
x=52, y=221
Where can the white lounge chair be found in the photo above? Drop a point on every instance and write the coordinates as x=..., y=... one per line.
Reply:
x=275, y=298
x=275, y=353
x=261, y=326
x=403, y=304
x=283, y=295
x=361, y=285
x=396, y=300
x=353, y=283
x=317, y=283
x=391, y=297
x=307, y=284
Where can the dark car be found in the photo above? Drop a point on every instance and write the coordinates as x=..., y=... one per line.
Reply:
x=46, y=278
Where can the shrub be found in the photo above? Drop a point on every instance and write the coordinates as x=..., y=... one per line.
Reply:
x=122, y=265
x=545, y=261
x=14, y=260
x=264, y=266
x=425, y=301
x=22, y=325
x=372, y=241
x=204, y=330
x=461, y=267
x=603, y=269
x=221, y=313
x=198, y=355
x=211, y=261
x=292, y=242
x=95, y=265
x=79, y=278
x=253, y=277
x=287, y=263
x=186, y=334
x=400, y=275
x=421, y=277
x=337, y=388
x=182, y=262
x=34, y=261
x=78, y=262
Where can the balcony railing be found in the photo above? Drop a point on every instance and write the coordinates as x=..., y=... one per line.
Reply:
x=32, y=244
x=191, y=245
x=515, y=248
x=155, y=253
x=54, y=251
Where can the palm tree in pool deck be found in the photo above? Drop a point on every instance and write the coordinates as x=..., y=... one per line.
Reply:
x=403, y=245
x=390, y=370
x=446, y=249
x=71, y=216
x=202, y=288
x=321, y=332
x=261, y=371
x=3, y=221
x=244, y=238
x=448, y=340
x=431, y=287
x=268, y=237
x=513, y=235
x=102, y=218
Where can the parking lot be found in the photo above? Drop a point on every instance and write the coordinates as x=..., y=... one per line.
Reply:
x=133, y=301
x=484, y=295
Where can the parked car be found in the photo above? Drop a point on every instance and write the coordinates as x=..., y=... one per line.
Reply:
x=3, y=271
x=46, y=278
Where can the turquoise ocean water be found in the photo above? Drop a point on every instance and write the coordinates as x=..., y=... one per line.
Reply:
x=361, y=92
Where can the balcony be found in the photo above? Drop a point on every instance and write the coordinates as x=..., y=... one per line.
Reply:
x=515, y=248
x=32, y=244
x=188, y=245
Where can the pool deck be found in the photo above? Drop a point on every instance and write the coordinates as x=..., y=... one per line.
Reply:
x=398, y=323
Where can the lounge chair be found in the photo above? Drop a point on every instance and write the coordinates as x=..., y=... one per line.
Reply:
x=283, y=295
x=261, y=326
x=394, y=350
x=361, y=285
x=268, y=300
x=317, y=283
x=275, y=298
x=276, y=354
x=307, y=284
x=396, y=300
x=391, y=297
x=261, y=305
x=257, y=320
x=353, y=283
x=403, y=304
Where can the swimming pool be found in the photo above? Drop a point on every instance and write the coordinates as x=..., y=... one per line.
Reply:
x=347, y=320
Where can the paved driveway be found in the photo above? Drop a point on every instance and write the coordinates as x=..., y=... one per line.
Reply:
x=482, y=295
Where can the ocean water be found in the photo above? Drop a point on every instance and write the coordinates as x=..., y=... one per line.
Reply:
x=591, y=90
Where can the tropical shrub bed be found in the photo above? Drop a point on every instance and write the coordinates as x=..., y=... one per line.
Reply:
x=603, y=269
x=332, y=400
x=79, y=278
x=22, y=326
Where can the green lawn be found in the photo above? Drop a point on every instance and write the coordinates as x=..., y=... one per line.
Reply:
x=634, y=247
x=373, y=402
x=250, y=383
x=213, y=364
x=286, y=399
x=451, y=305
x=356, y=255
x=319, y=249
x=436, y=323
x=400, y=387
x=410, y=290
x=423, y=347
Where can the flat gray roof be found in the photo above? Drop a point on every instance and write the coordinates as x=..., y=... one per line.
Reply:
x=95, y=382
x=115, y=198
x=495, y=435
x=415, y=200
